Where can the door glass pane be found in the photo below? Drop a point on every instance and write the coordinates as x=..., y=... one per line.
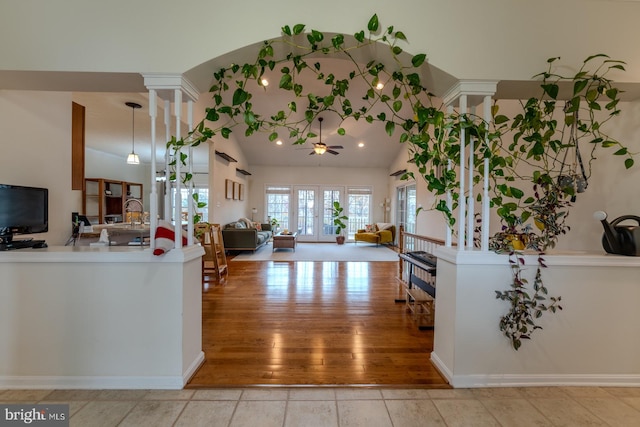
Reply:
x=330, y=196
x=306, y=208
x=410, y=226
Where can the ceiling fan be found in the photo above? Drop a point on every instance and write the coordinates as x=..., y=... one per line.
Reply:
x=321, y=148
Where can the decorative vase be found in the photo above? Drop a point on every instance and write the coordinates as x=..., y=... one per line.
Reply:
x=340, y=240
x=517, y=241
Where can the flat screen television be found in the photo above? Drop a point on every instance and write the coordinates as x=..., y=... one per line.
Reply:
x=23, y=210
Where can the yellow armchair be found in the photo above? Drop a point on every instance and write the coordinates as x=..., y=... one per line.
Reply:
x=377, y=236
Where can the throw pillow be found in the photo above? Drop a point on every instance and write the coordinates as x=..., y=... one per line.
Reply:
x=240, y=224
x=384, y=225
x=164, y=238
x=257, y=226
x=369, y=228
x=247, y=222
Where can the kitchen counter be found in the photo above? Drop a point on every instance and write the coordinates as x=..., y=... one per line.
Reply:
x=100, y=317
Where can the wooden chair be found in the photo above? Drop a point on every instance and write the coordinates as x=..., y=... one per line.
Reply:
x=214, y=260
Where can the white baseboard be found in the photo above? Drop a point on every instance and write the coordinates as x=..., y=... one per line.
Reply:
x=102, y=382
x=440, y=366
x=191, y=370
x=533, y=380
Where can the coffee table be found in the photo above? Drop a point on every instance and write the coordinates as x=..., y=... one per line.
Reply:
x=285, y=241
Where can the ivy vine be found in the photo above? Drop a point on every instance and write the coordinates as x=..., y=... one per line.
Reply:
x=525, y=173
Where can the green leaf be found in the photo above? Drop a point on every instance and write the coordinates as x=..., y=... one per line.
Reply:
x=286, y=30
x=341, y=131
x=389, y=128
x=397, y=50
x=239, y=96
x=516, y=192
x=286, y=82
x=628, y=163
x=418, y=60
x=400, y=35
x=212, y=115
x=373, y=23
x=273, y=136
x=359, y=36
x=225, y=132
x=579, y=85
x=317, y=35
x=500, y=119
x=298, y=28
x=249, y=117
x=397, y=106
x=551, y=90
x=337, y=41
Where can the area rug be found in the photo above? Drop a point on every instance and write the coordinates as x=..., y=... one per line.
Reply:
x=321, y=252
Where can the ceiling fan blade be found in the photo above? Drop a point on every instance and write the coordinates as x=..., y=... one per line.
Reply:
x=332, y=152
x=335, y=147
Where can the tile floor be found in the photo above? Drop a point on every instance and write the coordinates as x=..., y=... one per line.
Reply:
x=371, y=407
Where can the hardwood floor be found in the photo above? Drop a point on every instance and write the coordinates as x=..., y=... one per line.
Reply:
x=311, y=323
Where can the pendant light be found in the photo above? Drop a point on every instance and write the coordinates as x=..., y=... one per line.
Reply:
x=133, y=158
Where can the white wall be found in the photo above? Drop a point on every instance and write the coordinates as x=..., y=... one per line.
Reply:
x=36, y=151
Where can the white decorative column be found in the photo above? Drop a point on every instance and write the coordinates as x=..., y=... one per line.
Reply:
x=176, y=87
x=466, y=94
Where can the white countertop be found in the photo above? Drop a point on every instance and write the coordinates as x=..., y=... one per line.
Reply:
x=99, y=254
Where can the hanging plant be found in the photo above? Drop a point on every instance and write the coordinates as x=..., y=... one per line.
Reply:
x=539, y=141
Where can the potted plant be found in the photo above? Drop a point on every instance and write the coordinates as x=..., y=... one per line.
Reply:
x=339, y=219
x=274, y=225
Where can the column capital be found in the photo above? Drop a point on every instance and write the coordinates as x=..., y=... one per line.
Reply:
x=166, y=84
x=475, y=90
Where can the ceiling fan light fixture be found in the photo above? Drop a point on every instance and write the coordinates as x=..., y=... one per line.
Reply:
x=320, y=148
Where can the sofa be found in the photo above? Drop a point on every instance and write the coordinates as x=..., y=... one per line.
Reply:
x=380, y=233
x=245, y=235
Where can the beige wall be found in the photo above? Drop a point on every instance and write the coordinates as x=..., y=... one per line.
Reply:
x=36, y=151
x=494, y=39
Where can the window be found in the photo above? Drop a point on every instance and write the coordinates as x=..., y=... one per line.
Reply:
x=278, y=198
x=358, y=209
x=203, y=196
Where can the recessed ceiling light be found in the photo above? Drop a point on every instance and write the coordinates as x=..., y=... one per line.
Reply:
x=361, y=144
x=279, y=142
x=380, y=85
x=264, y=82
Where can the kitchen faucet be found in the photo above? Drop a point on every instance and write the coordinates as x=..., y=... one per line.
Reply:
x=125, y=206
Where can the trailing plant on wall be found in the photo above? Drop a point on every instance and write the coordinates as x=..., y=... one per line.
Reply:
x=543, y=145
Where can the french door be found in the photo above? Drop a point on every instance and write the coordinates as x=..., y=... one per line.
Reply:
x=313, y=206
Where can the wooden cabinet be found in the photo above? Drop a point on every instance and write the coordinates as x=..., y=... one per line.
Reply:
x=103, y=199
